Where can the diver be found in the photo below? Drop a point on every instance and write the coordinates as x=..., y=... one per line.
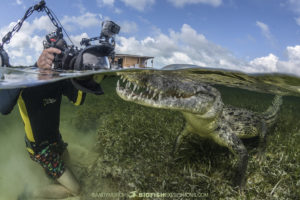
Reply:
x=39, y=107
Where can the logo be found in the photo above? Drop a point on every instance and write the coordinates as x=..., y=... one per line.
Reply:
x=48, y=101
x=133, y=194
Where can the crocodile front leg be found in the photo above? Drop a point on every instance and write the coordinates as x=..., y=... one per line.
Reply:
x=186, y=130
x=262, y=142
x=224, y=136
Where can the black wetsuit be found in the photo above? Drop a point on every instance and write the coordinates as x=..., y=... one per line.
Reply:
x=40, y=109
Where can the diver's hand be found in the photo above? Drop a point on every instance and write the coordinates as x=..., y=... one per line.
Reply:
x=46, y=58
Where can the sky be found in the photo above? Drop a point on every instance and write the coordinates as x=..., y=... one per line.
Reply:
x=245, y=35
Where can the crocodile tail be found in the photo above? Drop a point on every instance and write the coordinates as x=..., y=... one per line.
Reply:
x=270, y=115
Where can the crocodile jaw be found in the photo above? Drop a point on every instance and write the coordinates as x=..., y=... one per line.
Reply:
x=139, y=93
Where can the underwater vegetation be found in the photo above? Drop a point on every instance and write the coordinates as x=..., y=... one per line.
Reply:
x=135, y=143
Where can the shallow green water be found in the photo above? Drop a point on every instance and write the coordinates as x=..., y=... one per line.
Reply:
x=118, y=146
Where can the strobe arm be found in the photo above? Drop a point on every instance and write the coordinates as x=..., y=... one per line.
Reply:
x=41, y=6
x=38, y=7
x=86, y=41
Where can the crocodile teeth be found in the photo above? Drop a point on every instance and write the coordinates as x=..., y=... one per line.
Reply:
x=128, y=84
x=154, y=94
x=141, y=96
x=160, y=96
x=134, y=88
x=132, y=94
x=118, y=84
x=135, y=97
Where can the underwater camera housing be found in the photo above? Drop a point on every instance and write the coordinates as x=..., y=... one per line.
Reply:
x=92, y=57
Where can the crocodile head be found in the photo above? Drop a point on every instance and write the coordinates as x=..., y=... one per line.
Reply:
x=169, y=91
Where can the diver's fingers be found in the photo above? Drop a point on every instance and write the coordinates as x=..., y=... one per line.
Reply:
x=49, y=56
x=52, y=50
x=46, y=58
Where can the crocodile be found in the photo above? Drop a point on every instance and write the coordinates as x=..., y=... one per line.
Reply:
x=203, y=109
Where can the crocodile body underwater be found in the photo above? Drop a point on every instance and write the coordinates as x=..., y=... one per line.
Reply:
x=203, y=109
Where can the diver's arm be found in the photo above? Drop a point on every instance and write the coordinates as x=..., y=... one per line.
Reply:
x=76, y=89
x=8, y=99
x=75, y=95
x=88, y=84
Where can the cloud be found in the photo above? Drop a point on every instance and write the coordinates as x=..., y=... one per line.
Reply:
x=83, y=21
x=271, y=63
x=118, y=11
x=298, y=20
x=139, y=5
x=25, y=38
x=265, y=64
x=264, y=29
x=102, y=3
x=26, y=45
x=128, y=27
x=42, y=24
x=19, y=2
x=185, y=47
x=76, y=39
x=294, y=5
x=80, y=6
x=267, y=33
x=294, y=53
x=181, y=3
x=109, y=3
x=189, y=47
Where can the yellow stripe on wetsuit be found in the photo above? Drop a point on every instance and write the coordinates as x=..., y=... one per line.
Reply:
x=79, y=98
x=24, y=115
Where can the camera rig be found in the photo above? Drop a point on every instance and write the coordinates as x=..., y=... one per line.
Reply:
x=92, y=57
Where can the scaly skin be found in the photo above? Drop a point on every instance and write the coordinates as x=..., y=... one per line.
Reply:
x=203, y=109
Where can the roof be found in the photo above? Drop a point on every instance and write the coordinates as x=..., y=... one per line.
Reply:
x=131, y=55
